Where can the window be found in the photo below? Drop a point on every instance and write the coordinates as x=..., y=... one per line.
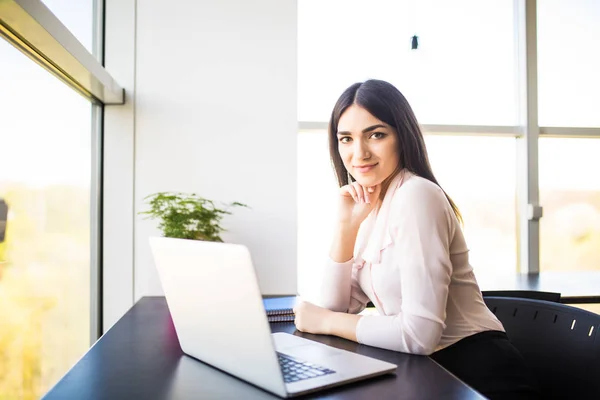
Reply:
x=479, y=174
x=462, y=80
x=462, y=73
x=570, y=195
x=569, y=61
x=45, y=175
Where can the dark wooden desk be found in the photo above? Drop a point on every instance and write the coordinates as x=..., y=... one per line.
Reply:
x=140, y=358
x=575, y=287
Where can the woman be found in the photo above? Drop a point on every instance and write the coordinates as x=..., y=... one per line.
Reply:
x=398, y=243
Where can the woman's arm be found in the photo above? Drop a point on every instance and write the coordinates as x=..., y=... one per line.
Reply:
x=314, y=319
x=344, y=239
x=339, y=290
x=424, y=226
x=423, y=222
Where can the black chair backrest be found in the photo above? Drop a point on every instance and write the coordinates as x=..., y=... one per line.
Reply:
x=523, y=294
x=560, y=343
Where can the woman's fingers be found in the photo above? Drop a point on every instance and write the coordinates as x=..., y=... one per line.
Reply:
x=351, y=191
x=361, y=194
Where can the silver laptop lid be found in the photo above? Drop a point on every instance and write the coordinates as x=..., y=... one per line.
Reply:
x=217, y=309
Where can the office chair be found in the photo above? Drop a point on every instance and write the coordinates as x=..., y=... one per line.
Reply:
x=523, y=294
x=560, y=343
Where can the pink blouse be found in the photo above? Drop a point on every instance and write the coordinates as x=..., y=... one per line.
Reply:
x=410, y=260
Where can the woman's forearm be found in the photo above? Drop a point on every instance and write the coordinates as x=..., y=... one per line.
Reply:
x=342, y=325
x=342, y=247
x=336, y=287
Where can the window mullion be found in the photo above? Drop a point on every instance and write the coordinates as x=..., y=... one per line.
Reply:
x=529, y=209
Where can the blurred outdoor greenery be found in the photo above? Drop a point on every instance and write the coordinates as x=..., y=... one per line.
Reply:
x=44, y=287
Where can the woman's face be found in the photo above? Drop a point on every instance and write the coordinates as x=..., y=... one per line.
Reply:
x=367, y=146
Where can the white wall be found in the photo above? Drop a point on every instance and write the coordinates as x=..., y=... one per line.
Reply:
x=215, y=114
x=118, y=163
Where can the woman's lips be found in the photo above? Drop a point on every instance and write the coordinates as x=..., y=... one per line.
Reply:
x=365, y=168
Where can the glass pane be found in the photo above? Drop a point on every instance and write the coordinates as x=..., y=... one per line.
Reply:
x=570, y=195
x=77, y=16
x=569, y=61
x=462, y=73
x=45, y=167
x=479, y=173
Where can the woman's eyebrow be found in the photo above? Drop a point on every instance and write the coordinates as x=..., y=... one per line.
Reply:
x=366, y=130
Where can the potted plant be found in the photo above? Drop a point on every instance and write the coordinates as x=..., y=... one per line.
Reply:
x=187, y=216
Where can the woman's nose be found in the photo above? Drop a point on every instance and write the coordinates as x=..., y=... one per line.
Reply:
x=362, y=151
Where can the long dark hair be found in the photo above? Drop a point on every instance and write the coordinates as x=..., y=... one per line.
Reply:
x=382, y=100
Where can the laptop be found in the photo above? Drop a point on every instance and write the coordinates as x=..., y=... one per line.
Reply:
x=217, y=309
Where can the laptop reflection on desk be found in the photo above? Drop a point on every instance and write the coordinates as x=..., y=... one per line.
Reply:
x=216, y=306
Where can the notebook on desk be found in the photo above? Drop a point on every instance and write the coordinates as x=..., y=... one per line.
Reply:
x=280, y=309
x=200, y=279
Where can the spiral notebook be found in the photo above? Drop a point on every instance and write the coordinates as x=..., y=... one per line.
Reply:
x=280, y=309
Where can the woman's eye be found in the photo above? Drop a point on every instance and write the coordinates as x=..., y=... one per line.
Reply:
x=378, y=135
x=345, y=139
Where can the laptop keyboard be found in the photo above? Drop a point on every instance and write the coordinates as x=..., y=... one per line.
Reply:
x=295, y=370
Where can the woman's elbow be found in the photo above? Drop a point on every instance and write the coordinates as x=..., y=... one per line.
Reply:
x=424, y=350
x=413, y=348
x=423, y=339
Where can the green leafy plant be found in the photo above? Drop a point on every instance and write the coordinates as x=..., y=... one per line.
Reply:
x=187, y=216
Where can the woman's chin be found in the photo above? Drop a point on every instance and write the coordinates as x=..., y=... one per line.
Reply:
x=368, y=182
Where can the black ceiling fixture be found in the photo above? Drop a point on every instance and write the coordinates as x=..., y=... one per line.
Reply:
x=414, y=43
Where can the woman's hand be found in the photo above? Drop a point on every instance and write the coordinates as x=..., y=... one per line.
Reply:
x=356, y=202
x=311, y=318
